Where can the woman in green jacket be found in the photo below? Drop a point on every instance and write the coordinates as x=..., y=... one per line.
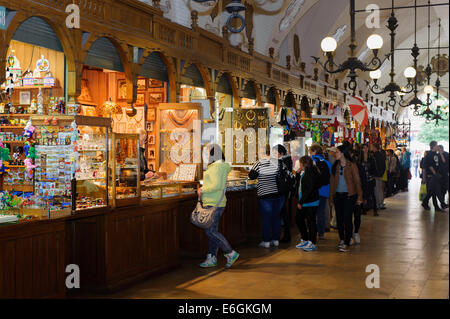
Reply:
x=214, y=185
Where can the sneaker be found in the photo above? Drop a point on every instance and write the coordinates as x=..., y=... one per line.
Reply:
x=264, y=244
x=425, y=206
x=231, y=258
x=211, y=261
x=343, y=248
x=341, y=243
x=274, y=243
x=351, y=242
x=310, y=247
x=302, y=244
x=437, y=209
x=357, y=239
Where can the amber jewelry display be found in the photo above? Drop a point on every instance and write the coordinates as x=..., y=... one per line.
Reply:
x=250, y=115
x=181, y=121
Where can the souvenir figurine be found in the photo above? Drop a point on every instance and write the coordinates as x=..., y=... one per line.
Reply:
x=40, y=103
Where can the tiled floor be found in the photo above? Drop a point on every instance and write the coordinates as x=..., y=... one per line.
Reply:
x=410, y=246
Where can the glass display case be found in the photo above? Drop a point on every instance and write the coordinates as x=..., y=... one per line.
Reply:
x=177, y=144
x=167, y=189
x=71, y=162
x=125, y=177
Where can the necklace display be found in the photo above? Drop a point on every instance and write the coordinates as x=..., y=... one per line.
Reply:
x=181, y=122
x=239, y=115
x=237, y=125
x=250, y=115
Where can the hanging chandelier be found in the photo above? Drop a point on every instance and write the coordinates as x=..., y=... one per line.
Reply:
x=329, y=45
x=392, y=88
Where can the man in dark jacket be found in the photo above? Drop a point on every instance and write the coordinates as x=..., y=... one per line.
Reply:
x=380, y=167
x=286, y=211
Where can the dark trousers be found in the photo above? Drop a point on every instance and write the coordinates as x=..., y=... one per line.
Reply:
x=390, y=184
x=434, y=188
x=403, y=179
x=344, y=206
x=270, y=208
x=370, y=196
x=357, y=218
x=306, y=223
x=321, y=215
x=286, y=216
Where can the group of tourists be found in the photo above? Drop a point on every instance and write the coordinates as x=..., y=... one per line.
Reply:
x=331, y=187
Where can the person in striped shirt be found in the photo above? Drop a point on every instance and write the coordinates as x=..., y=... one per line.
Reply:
x=270, y=201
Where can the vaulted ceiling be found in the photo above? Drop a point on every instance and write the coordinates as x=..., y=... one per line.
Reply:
x=275, y=23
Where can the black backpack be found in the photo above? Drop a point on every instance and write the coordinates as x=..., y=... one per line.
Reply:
x=323, y=173
x=285, y=179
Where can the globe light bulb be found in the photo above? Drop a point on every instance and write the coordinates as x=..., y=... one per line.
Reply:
x=428, y=89
x=374, y=42
x=328, y=44
x=410, y=72
x=375, y=75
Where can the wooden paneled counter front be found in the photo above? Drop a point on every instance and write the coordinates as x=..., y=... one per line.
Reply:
x=112, y=247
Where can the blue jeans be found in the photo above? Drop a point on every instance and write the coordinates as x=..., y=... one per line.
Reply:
x=216, y=239
x=270, y=209
x=321, y=216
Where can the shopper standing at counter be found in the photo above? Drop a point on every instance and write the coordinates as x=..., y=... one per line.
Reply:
x=214, y=186
x=270, y=201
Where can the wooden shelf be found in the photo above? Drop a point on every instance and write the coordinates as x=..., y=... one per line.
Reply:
x=16, y=166
x=19, y=188
x=13, y=142
x=16, y=114
x=30, y=87
x=9, y=127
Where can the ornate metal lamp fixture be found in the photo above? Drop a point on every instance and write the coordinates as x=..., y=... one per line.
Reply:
x=415, y=103
x=234, y=7
x=409, y=72
x=329, y=44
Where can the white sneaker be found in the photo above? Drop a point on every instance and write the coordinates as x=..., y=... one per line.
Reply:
x=264, y=244
x=274, y=243
x=341, y=243
x=211, y=261
x=302, y=244
x=356, y=237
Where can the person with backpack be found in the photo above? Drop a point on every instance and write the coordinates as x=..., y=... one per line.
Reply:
x=269, y=171
x=286, y=209
x=324, y=167
x=308, y=203
x=345, y=192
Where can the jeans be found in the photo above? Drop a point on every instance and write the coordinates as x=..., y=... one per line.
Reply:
x=391, y=184
x=306, y=223
x=379, y=196
x=327, y=215
x=321, y=215
x=270, y=209
x=370, y=196
x=216, y=239
x=434, y=188
x=344, y=206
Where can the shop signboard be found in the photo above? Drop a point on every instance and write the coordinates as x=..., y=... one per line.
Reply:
x=2, y=18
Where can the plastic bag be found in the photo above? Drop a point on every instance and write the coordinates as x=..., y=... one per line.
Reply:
x=422, y=192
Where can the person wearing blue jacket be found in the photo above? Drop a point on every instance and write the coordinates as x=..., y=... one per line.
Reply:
x=324, y=191
x=405, y=165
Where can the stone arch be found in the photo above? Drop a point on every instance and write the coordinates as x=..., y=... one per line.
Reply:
x=289, y=100
x=256, y=88
x=171, y=71
x=233, y=85
x=125, y=57
x=273, y=91
x=62, y=33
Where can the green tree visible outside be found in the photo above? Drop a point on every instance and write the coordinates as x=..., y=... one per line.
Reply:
x=431, y=132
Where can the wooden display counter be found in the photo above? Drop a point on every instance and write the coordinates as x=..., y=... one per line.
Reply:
x=113, y=248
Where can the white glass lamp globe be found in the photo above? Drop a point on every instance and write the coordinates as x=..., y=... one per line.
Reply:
x=428, y=89
x=374, y=42
x=410, y=72
x=375, y=75
x=328, y=44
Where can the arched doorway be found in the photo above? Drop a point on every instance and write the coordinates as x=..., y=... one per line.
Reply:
x=289, y=100
x=250, y=95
